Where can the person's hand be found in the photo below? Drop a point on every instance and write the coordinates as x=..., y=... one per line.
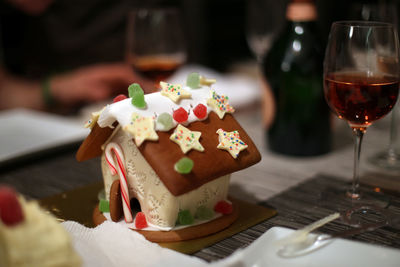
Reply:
x=31, y=7
x=94, y=83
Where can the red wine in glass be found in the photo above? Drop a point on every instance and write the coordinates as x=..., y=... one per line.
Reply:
x=156, y=68
x=360, y=98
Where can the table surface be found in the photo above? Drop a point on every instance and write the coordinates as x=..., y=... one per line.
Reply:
x=57, y=172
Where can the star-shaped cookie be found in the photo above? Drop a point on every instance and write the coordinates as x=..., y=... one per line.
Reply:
x=231, y=142
x=174, y=91
x=142, y=128
x=219, y=104
x=186, y=139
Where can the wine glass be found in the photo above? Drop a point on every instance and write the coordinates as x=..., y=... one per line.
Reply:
x=386, y=12
x=358, y=87
x=156, y=45
x=264, y=20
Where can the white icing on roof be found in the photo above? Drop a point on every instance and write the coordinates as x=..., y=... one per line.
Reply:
x=156, y=104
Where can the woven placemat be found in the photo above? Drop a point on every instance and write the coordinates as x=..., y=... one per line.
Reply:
x=306, y=203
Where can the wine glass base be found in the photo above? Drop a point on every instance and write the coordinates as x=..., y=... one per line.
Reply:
x=353, y=196
x=386, y=160
x=354, y=207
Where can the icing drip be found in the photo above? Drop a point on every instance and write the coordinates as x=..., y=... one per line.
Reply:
x=157, y=104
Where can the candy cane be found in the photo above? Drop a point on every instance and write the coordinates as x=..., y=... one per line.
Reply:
x=113, y=147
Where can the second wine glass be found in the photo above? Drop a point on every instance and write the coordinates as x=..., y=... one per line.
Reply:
x=358, y=87
x=156, y=45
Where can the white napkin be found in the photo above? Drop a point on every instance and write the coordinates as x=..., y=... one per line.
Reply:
x=110, y=244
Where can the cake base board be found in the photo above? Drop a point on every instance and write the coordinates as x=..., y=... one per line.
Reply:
x=77, y=205
x=188, y=233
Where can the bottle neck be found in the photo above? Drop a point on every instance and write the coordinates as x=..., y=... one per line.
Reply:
x=301, y=11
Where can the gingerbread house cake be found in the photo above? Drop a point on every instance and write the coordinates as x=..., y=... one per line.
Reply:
x=173, y=151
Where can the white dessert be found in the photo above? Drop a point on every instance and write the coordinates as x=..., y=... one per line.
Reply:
x=38, y=241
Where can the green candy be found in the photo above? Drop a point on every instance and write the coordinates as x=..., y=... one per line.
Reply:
x=165, y=120
x=137, y=95
x=193, y=80
x=204, y=213
x=104, y=205
x=185, y=218
x=184, y=165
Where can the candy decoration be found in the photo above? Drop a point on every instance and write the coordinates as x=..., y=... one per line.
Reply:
x=142, y=128
x=93, y=120
x=200, y=111
x=104, y=205
x=193, y=80
x=223, y=207
x=180, y=115
x=140, y=220
x=120, y=169
x=185, y=217
x=204, y=213
x=119, y=98
x=186, y=139
x=137, y=95
x=206, y=81
x=231, y=142
x=165, y=120
x=10, y=209
x=174, y=91
x=184, y=165
x=219, y=104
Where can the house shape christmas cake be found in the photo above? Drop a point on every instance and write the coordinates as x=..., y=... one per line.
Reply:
x=173, y=151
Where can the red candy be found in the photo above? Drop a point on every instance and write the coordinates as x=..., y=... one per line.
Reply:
x=180, y=115
x=10, y=208
x=140, y=221
x=200, y=111
x=119, y=98
x=223, y=207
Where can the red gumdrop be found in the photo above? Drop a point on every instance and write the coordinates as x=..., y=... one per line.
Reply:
x=10, y=208
x=140, y=221
x=223, y=207
x=180, y=115
x=200, y=111
x=119, y=98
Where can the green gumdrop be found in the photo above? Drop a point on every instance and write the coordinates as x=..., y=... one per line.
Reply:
x=185, y=218
x=104, y=205
x=193, y=80
x=204, y=213
x=184, y=165
x=165, y=120
x=137, y=95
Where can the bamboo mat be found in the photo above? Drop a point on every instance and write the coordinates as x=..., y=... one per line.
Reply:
x=306, y=203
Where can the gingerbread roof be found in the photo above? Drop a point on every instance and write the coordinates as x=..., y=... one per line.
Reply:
x=162, y=154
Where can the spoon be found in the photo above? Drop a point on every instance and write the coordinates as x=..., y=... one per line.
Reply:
x=314, y=242
x=300, y=242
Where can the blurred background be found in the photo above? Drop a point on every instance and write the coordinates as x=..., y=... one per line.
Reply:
x=66, y=34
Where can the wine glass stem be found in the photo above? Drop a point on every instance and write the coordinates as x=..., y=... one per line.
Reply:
x=358, y=136
x=393, y=134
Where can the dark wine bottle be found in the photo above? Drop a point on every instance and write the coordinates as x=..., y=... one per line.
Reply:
x=293, y=69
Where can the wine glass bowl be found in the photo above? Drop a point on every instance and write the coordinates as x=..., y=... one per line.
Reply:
x=155, y=46
x=264, y=20
x=361, y=78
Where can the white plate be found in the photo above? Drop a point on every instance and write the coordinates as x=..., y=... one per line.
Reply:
x=340, y=252
x=25, y=132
